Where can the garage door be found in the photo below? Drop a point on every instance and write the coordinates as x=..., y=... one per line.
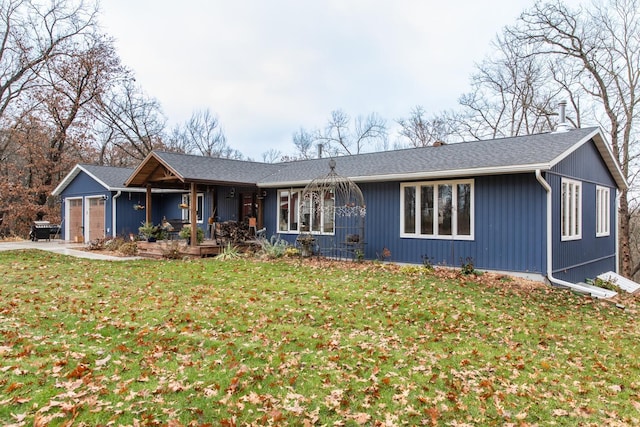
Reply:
x=74, y=219
x=96, y=219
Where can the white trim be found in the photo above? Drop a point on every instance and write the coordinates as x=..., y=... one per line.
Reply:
x=570, y=213
x=592, y=290
x=299, y=191
x=603, y=211
x=187, y=212
x=454, y=210
x=114, y=217
x=67, y=228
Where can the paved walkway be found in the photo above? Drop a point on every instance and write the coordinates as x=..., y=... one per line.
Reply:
x=61, y=247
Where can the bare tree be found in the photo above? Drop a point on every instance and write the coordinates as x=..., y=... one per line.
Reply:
x=272, y=156
x=132, y=124
x=69, y=84
x=600, y=48
x=34, y=33
x=202, y=134
x=303, y=140
x=510, y=95
x=340, y=136
x=421, y=131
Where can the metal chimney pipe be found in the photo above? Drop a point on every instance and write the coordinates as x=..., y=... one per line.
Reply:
x=320, y=150
x=562, y=126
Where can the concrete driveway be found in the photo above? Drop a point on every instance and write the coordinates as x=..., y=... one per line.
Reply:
x=61, y=247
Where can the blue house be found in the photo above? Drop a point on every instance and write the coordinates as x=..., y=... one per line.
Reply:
x=541, y=206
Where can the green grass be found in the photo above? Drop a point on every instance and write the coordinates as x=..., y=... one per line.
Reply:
x=245, y=342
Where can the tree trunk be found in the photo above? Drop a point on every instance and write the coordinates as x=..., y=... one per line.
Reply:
x=623, y=236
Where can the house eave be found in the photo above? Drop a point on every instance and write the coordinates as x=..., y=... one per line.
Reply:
x=441, y=174
x=72, y=175
x=605, y=152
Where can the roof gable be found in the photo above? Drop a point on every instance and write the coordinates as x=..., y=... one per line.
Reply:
x=175, y=169
x=110, y=177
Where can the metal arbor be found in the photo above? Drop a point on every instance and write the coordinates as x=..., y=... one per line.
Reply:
x=332, y=213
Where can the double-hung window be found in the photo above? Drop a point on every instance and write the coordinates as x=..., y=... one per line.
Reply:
x=438, y=210
x=603, y=212
x=312, y=213
x=186, y=213
x=571, y=209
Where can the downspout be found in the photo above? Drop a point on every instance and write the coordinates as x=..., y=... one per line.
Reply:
x=583, y=289
x=113, y=212
x=617, y=222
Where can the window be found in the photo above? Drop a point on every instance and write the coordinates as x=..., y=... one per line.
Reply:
x=603, y=212
x=316, y=214
x=186, y=213
x=571, y=209
x=437, y=210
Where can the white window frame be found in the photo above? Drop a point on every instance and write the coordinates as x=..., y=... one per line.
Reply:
x=571, y=209
x=297, y=215
x=603, y=211
x=186, y=213
x=417, y=234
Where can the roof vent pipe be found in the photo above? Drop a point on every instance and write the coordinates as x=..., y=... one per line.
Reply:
x=320, y=150
x=562, y=126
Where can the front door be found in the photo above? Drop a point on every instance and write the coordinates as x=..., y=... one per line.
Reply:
x=96, y=218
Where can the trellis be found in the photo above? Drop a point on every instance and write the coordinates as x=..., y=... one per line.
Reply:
x=333, y=212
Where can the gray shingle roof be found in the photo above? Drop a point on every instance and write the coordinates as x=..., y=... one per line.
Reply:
x=198, y=168
x=505, y=155
x=112, y=177
x=478, y=157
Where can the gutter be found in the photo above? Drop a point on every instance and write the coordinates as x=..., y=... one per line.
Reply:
x=581, y=288
x=113, y=212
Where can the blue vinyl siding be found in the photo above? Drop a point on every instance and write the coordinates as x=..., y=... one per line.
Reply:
x=509, y=225
x=577, y=260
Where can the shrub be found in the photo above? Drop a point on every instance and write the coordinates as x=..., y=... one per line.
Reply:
x=172, y=251
x=128, y=248
x=185, y=233
x=229, y=252
x=274, y=247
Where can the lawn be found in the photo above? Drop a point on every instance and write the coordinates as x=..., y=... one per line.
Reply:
x=247, y=342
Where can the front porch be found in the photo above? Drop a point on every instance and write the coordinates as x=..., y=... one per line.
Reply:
x=180, y=248
x=164, y=248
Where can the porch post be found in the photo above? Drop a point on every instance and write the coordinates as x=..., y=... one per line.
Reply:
x=260, y=213
x=148, y=205
x=194, y=218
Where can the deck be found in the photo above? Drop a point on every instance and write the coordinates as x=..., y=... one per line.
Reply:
x=160, y=248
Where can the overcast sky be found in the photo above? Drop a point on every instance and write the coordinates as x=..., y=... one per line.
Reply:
x=267, y=68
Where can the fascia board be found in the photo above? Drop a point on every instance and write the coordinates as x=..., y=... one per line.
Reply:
x=72, y=175
x=605, y=152
x=503, y=170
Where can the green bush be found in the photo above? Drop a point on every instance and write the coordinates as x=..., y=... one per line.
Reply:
x=274, y=247
x=185, y=233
